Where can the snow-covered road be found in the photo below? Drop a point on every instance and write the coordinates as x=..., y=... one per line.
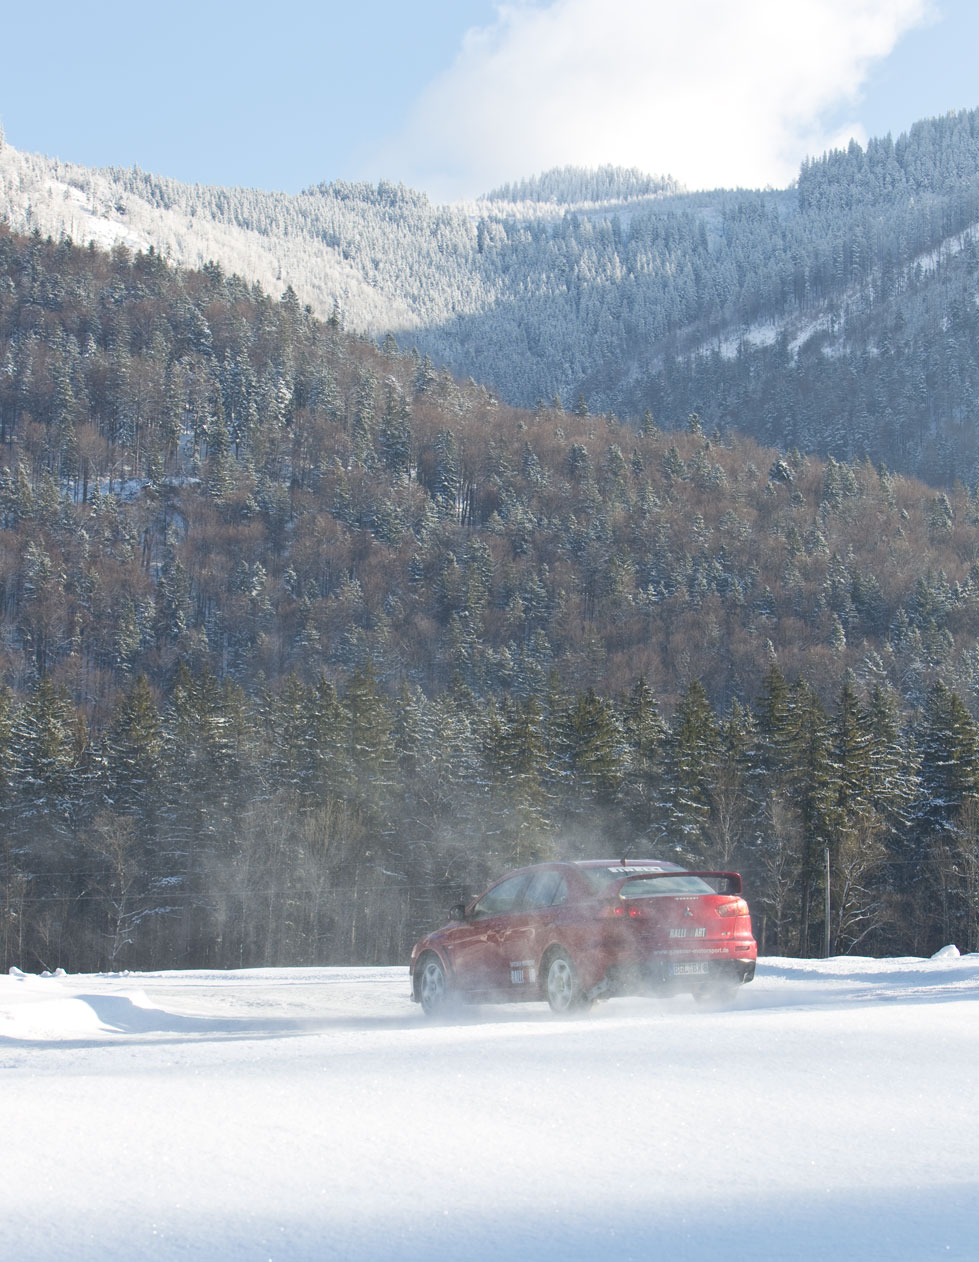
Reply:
x=315, y=1114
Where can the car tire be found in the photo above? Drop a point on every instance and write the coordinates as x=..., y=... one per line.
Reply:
x=562, y=990
x=433, y=986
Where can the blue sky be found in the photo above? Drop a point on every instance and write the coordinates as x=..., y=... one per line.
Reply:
x=455, y=96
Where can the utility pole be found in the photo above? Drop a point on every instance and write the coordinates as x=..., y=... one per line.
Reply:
x=826, y=914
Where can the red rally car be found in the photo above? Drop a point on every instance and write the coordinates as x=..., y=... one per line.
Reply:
x=573, y=932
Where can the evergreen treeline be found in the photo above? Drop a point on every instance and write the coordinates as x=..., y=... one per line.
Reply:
x=302, y=640
x=859, y=284
x=577, y=185
x=205, y=827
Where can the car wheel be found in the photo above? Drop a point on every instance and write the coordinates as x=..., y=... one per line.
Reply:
x=561, y=986
x=433, y=991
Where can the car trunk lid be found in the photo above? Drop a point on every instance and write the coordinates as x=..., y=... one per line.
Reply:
x=692, y=916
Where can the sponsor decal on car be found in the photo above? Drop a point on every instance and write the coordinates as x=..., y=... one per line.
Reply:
x=522, y=972
x=635, y=867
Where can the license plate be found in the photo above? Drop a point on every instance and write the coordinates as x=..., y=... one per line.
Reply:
x=687, y=968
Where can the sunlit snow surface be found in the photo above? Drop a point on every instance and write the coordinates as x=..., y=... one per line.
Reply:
x=315, y=1114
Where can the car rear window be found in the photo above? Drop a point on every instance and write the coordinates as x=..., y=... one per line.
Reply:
x=652, y=887
x=600, y=879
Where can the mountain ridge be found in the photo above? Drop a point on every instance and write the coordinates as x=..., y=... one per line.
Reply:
x=630, y=305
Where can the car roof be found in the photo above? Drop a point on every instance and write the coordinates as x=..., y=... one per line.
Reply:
x=625, y=866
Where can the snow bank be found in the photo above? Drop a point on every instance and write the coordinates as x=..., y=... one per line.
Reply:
x=51, y=1007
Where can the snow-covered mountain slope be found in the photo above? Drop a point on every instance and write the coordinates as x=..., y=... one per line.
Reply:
x=501, y=289
x=385, y=255
x=615, y=292
x=191, y=225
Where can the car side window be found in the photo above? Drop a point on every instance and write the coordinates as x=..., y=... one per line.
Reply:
x=501, y=898
x=546, y=888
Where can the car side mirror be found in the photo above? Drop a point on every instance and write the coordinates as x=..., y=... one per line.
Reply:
x=458, y=912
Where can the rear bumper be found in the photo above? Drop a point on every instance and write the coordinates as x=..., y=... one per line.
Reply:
x=688, y=973
x=663, y=975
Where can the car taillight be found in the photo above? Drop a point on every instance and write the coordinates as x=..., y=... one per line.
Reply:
x=736, y=908
x=625, y=910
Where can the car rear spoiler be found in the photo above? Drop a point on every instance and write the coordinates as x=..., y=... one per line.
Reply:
x=722, y=882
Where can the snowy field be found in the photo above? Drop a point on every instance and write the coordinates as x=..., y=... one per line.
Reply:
x=315, y=1114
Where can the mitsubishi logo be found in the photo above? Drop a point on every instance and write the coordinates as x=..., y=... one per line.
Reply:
x=687, y=911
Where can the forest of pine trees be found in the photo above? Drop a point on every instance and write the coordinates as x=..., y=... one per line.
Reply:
x=302, y=640
x=210, y=828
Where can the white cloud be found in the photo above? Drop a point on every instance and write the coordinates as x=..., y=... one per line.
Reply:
x=713, y=92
